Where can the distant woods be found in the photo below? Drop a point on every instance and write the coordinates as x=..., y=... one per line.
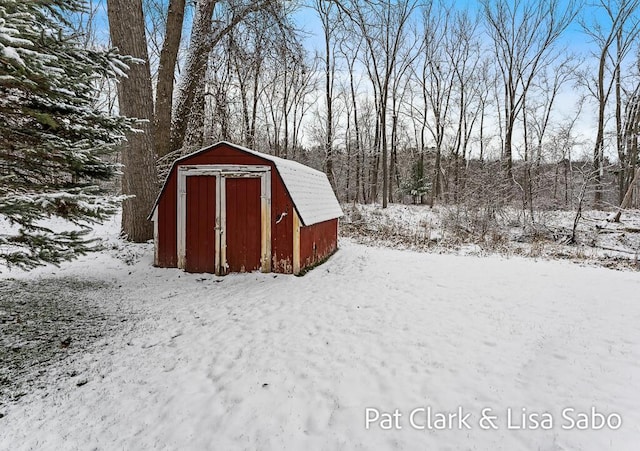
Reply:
x=511, y=102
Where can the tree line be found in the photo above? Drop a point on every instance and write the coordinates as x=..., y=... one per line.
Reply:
x=401, y=99
x=404, y=100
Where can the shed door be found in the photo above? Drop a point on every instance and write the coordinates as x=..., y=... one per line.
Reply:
x=201, y=224
x=243, y=224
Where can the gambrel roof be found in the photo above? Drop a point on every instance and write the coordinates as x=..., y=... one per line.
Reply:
x=309, y=189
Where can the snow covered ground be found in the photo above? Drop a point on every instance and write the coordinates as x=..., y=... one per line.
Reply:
x=274, y=362
x=471, y=231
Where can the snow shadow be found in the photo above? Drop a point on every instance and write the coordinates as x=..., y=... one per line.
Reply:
x=44, y=322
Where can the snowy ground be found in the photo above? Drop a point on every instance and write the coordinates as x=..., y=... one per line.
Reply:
x=471, y=231
x=47, y=320
x=268, y=362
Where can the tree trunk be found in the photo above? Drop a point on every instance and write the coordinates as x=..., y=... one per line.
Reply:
x=328, y=92
x=166, y=74
x=507, y=159
x=598, y=158
x=194, y=72
x=135, y=97
x=598, y=151
x=393, y=159
x=631, y=136
x=357, y=131
x=383, y=143
x=567, y=181
x=194, y=134
x=347, y=194
x=375, y=165
x=619, y=125
x=251, y=137
x=626, y=201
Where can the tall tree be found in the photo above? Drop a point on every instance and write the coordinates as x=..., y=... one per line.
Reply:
x=206, y=34
x=328, y=17
x=631, y=137
x=383, y=26
x=135, y=100
x=537, y=118
x=166, y=76
x=350, y=52
x=436, y=81
x=53, y=139
x=524, y=34
x=614, y=30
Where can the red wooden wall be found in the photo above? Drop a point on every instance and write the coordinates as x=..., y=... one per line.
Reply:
x=317, y=242
x=281, y=233
x=200, y=243
x=244, y=224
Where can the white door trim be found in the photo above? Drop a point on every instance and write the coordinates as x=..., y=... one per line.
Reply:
x=296, y=242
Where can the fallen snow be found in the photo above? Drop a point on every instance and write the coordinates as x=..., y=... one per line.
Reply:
x=436, y=229
x=11, y=54
x=260, y=361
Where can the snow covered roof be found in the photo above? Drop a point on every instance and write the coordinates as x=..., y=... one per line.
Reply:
x=310, y=190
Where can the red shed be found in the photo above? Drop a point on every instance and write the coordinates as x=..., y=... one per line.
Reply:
x=227, y=208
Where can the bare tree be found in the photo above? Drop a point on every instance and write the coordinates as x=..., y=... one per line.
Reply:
x=408, y=53
x=327, y=12
x=350, y=50
x=436, y=81
x=285, y=80
x=464, y=55
x=631, y=153
x=524, y=34
x=562, y=141
x=382, y=25
x=189, y=104
x=537, y=117
x=249, y=47
x=628, y=147
x=614, y=31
